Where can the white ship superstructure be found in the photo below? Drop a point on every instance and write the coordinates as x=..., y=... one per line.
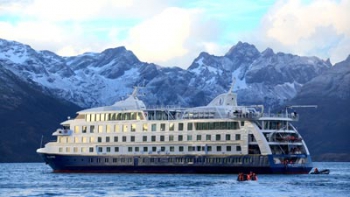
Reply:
x=221, y=137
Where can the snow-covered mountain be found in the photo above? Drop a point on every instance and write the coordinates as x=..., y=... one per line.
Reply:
x=95, y=79
x=267, y=77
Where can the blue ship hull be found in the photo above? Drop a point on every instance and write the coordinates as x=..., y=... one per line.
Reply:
x=172, y=164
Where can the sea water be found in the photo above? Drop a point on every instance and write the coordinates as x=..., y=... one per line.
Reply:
x=37, y=179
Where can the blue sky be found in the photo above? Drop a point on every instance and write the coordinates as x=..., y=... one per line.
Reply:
x=174, y=32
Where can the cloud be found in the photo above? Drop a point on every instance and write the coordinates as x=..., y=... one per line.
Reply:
x=162, y=36
x=317, y=28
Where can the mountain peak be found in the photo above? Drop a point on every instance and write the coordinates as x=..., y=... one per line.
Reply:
x=268, y=52
x=243, y=49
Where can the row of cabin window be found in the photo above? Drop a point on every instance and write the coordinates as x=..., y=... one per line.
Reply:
x=153, y=126
x=152, y=149
x=153, y=138
x=114, y=116
x=175, y=160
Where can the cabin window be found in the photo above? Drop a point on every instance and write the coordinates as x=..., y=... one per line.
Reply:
x=154, y=127
x=144, y=138
x=107, y=139
x=145, y=149
x=218, y=148
x=100, y=149
x=199, y=137
x=102, y=117
x=172, y=149
x=88, y=118
x=67, y=149
x=100, y=128
x=116, y=149
x=76, y=139
x=228, y=148
x=238, y=136
x=153, y=138
x=133, y=127
x=129, y=149
x=190, y=148
x=116, y=128
x=84, y=140
x=189, y=137
x=99, y=139
x=171, y=127
x=83, y=149
x=181, y=126
x=124, y=138
x=76, y=129
x=218, y=137
x=162, y=127
x=92, y=139
x=242, y=123
x=180, y=138
x=208, y=148
x=171, y=138
x=108, y=149
x=115, y=138
x=228, y=137
x=189, y=126
x=125, y=128
x=91, y=149
x=98, y=117
x=60, y=149
x=84, y=129
x=154, y=149
x=137, y=149
x=108, y=128
x=132, y=138
x=144, y=127
x=92, y=117
x=181, y=148
x=162, y=148
x=162, y=138
x=238, y=148
x=92, y=129
x=208, y=137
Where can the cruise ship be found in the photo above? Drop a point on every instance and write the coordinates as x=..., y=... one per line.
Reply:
x=221, y=137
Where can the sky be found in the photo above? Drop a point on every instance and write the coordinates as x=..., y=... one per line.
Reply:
x=174, y=32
